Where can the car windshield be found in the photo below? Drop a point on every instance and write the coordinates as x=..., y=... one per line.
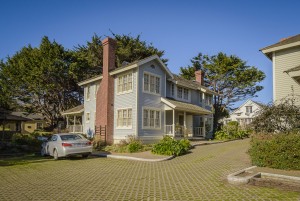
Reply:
x=70, y=137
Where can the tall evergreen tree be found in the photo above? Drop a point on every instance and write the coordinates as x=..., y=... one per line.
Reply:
x=229, y=76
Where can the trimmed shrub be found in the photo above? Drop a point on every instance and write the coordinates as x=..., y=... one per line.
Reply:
x=231, y=131
x=169, y=146
x=279, y=151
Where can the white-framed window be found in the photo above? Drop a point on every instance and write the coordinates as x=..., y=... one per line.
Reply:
x=208, y=99
x=87, y=117
x=182, y=93
x=124, y=118
x=248, y=109
x=151, y=83
x=200, y=97
x=172, y=89
x=151, y=118
x=88, y=93
x=124, y=83
x=96, y=90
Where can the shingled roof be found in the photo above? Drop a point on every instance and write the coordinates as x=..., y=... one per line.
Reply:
x=285, y=41
x=192, y=84
x=74, y=110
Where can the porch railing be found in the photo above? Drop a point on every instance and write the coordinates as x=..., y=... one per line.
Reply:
x=75, y=128
x=179, y=131
x=198, y=132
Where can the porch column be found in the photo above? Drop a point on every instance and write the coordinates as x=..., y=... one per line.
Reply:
x=184, y=119
x=67, y=116
x=74, y=124
x=173, y=126
x=204, y=123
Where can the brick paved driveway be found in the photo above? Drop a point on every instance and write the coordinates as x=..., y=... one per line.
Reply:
x=199, y=175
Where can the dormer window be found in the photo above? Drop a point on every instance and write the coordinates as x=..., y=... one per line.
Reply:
x=182, y=93
x=172, y=90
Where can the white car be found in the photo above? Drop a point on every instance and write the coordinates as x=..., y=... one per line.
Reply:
x=67, y=144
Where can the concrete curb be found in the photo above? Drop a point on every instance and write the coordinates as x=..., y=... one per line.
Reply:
x=238, y=180
x=134, y=158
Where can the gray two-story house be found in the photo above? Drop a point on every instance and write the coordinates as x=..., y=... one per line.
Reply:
x=144, y=99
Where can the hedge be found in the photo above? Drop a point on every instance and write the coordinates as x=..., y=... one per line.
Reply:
x=281, y=151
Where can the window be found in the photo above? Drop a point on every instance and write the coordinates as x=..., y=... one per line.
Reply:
x=248, y=109
x=208, y=99
x=182, y=93
x=88, y=93
x=87, y=118
x=200, y=97
x=124, y=118
x=151, y=83
x=151, y=119
x=96, y=90
x=39, y=125
x=179, y=92
x=172, y=90
x=185, y=94
x=124, y=83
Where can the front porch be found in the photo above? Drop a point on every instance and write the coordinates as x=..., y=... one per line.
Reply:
x=186, y=120
x=74, y=117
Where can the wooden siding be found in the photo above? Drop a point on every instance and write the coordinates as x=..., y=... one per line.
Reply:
x=151, y=100
x=122, y=101
x=284, y=85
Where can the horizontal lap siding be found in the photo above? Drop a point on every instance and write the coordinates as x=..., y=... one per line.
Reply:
x=89, y=106
x=127, y=100
x=284, y=84
x=150, y=100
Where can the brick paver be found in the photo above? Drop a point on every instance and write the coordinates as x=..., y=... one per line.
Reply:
x=199, y=175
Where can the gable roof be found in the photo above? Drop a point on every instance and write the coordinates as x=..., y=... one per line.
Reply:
x=32, y=116
x=284, y=43
x=75, y=110
x=8, y=116
x=185, y=106
x=127, y=67
x=192, y=84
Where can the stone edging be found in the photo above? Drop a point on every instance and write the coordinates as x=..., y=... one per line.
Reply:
x=134, y=158
x=237, y=180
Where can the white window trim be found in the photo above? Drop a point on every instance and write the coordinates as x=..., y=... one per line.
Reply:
x=87, y=114
x=156, y=110
x=124, y=127
x=128, y=91
x=160, y=83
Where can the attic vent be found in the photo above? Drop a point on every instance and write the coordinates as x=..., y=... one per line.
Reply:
x=152, y=66
x=125, y=63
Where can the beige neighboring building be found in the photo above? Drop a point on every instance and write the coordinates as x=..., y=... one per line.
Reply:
x=285, y=56
x=34, y=122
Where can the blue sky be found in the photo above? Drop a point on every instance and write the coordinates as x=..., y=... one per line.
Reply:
x=181, y=28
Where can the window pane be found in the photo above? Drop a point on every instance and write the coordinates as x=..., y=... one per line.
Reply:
x=145, y=118
x=157, y=119
x=129, y=85
x=157, y=85
x=179, y=92
x=172, y=89
x=152, y=84
x=186, y=94
x=146, y=82
x=151, y=118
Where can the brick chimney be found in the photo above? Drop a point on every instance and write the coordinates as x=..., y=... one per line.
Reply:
x=105, y=94
x=199, y=75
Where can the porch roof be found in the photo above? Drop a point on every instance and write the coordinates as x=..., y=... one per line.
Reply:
x=185, y=106
x=75, y=110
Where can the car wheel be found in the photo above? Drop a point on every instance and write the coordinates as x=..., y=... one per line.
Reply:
x=85, y=155
x=55, y=155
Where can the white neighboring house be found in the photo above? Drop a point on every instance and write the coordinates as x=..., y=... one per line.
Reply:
x=245, y=113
